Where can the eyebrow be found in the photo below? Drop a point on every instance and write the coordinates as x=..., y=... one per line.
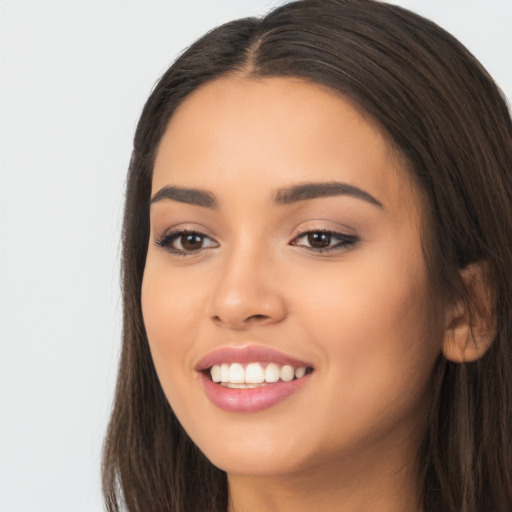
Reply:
x=316, y=190
x=191, y=196
x=286, y=196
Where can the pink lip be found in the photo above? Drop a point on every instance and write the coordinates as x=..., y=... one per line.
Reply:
x=250, y=400
x=245, y=355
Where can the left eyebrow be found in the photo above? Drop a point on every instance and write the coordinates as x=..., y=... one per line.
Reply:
x=308, y=191
x=191, y=196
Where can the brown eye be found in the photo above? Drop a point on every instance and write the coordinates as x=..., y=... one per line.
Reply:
x=191, y=242
x=325, y=241
x=319, y=240
x=185, y=242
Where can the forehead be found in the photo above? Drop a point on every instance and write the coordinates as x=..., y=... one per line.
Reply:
x=273, y=131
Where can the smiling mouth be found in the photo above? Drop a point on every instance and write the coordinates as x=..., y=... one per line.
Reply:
x=254, y=375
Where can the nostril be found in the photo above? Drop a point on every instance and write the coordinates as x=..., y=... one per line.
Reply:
x=242, y=315
x=217, y=318
x=257, y=317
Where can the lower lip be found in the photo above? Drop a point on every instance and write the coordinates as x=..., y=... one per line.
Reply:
x=250, y=399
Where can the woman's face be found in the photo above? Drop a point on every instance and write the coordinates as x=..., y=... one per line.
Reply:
x=286, y=244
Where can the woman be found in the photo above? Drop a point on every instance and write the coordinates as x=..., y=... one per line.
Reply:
x=317, y=295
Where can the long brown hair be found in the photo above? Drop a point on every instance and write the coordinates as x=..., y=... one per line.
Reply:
x=450, y=122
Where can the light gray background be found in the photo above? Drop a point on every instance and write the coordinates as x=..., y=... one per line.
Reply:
x=73, y=78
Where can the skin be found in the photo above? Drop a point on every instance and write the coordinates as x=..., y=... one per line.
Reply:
x=361, y=314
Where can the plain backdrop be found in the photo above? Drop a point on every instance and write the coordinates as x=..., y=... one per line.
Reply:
x=73, y=78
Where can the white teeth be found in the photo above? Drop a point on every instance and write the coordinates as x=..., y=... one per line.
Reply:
x=300, y=372
x=287, y=373
x=215, y=373
x=224, y=372
x=254, y=374
x=272, y=373
x=236, y=374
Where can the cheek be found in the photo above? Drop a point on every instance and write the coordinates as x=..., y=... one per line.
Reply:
x=169, y=311
x=170, y=301
x=156, y=298
x=379, y=356
x=373, y=323
x=170, y=320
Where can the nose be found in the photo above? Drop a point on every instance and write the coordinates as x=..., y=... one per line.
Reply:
x=247, y=292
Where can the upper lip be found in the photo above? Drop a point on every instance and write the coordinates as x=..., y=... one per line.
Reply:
x=248, y=354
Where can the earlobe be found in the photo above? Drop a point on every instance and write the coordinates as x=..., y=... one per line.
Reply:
x=470, y=325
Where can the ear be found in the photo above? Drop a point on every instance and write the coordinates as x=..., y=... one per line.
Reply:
x=470, y=325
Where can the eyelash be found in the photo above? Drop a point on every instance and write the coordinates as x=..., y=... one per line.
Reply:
x=344, y=243
x=167, y=239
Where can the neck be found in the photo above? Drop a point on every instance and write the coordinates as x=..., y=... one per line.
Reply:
x=351, y=486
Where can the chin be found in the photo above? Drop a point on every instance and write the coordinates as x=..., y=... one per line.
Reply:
x=254, y=463
x=259, y=454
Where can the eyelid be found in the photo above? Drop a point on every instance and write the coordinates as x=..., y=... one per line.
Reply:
x=181, y=227
x=165, y=239
x=345, y=241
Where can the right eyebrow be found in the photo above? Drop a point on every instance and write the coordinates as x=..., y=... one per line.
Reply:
x=191, y=196
x=308, y=191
